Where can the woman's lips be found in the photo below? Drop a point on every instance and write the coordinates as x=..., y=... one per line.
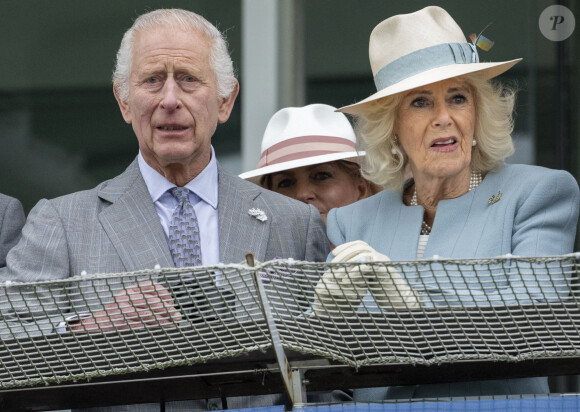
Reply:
x=444, y=144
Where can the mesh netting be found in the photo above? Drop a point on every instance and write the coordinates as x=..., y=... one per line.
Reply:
x=420, y=312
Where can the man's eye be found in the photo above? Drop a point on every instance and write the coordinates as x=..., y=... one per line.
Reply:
x=189, y=79
x=152, y=80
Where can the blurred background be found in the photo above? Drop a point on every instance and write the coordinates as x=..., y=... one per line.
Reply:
x=61, y=130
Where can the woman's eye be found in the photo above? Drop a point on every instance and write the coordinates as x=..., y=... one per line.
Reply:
x=419, y=102
x=284, y=183
x=459, y=99
x=322, y=176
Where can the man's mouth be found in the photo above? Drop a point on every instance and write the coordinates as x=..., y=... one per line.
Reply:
x=172, y=128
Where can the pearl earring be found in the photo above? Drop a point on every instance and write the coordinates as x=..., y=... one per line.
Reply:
x=395, y=143
x=474, y=143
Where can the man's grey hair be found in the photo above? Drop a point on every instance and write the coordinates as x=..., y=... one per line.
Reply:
x=220, y=60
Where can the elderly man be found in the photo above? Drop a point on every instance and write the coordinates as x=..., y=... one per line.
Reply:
x=11, y=220
x=174, y=84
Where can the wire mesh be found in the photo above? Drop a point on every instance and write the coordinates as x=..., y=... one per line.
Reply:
x=420, y=312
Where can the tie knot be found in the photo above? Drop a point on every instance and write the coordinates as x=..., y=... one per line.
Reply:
x=181, y=194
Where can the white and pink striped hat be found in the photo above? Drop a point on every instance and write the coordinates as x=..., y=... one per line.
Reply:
x=304, y=136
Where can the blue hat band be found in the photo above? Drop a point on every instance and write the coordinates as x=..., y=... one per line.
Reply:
x=425, y=59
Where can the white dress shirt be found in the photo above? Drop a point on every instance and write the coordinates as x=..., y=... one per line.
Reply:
x=203, y=195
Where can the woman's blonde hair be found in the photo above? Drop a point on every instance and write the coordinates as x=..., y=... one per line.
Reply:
x=375, y=129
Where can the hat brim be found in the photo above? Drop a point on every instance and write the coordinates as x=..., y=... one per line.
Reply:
x=485, y=70
x=308, y=161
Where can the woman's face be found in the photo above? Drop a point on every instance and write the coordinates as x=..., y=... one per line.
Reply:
x=325, y=186
x=435, y=125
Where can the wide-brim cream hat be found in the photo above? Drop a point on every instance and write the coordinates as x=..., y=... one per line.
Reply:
x=304, y=136
x=411, y=50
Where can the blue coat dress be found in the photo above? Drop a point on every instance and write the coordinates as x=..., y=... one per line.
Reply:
x=537, y=215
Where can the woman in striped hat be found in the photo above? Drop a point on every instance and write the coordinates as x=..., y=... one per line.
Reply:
x=309, y=154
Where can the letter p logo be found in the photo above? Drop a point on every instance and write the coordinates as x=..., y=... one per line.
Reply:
x=557, y=20
x=557, y=23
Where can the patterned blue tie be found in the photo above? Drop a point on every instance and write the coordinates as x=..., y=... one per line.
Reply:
x=184, y=241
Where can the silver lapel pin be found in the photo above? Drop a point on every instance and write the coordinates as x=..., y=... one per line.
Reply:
x=258, y=214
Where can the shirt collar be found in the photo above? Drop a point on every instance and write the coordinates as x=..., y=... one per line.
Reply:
x=204, y=185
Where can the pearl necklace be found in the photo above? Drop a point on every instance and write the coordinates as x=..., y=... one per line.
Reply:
x=474, y=181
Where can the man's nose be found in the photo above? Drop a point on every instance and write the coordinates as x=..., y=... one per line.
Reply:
x=170, y=100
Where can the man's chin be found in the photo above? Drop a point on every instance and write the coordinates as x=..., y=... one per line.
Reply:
x=167, y=159
x=162, y=160
x=183, y=156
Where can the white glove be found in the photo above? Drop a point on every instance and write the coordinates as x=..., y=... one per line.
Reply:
x=342, y=289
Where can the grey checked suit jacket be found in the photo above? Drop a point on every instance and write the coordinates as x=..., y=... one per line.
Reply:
x=11, y=221
x=115, y=228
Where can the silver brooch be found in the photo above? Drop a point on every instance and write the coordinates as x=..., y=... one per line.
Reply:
x=494, y=199
x=258, y=214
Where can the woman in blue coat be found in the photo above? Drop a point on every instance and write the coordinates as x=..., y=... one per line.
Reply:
x=437, y=112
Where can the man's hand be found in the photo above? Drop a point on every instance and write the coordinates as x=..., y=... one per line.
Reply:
x=342, y=289
x=145, y=304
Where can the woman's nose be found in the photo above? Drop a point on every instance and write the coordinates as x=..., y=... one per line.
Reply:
x=305, y=192
x=442, y=116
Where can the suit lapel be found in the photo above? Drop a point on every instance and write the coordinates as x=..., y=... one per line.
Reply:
x=132, y=224
x=240, y=233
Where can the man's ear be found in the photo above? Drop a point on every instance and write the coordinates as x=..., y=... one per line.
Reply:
x=226, y=104
x=125, y=109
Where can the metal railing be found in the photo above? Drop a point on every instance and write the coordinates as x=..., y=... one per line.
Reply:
x=291, y=317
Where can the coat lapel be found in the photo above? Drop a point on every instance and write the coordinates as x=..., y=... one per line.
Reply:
x=132, y=224
x=393, y=218
x=240, y=233
x=451, y=213
x=465, y=217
